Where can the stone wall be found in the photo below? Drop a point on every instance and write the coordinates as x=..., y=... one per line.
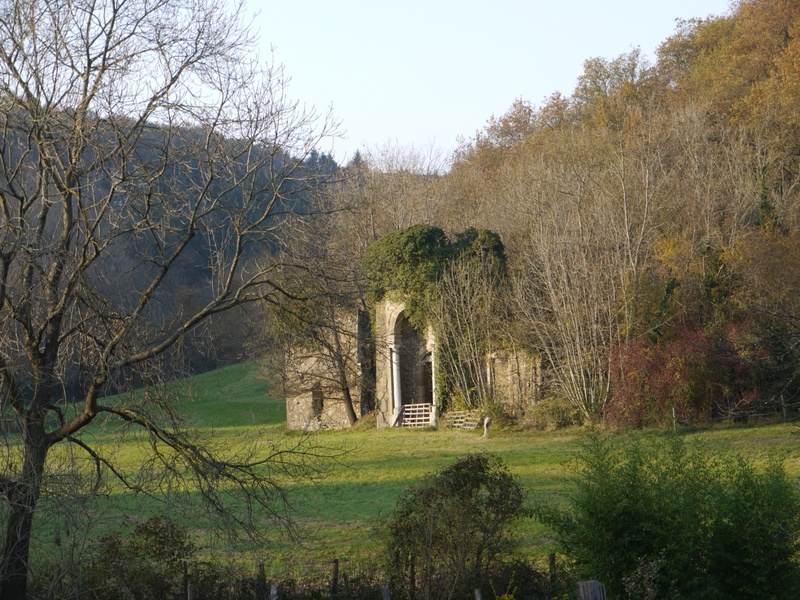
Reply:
x=314, y=396
x=319, y=408
x=516, y=378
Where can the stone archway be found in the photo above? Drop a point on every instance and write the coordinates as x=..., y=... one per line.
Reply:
x=405, y=371
x=413, y=377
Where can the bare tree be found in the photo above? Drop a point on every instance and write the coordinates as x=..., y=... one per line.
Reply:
x=568, y=286
x=318, y=331
x=398, y=187
x=137, y=138
x=466, y=314
x=570, y=297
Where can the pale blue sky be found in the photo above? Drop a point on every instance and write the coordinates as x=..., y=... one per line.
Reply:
x=424, y=72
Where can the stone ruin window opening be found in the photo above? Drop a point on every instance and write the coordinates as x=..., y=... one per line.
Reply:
x=317, y=400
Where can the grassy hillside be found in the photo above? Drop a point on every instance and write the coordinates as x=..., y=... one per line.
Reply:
x=343, y=516
x=233, y=396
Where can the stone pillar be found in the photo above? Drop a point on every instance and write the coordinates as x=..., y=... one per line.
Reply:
x=430, y=343
x=397, y=394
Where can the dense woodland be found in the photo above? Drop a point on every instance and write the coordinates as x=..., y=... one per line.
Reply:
x=650, y=221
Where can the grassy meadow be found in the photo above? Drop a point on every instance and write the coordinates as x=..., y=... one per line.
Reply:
x=340, y=516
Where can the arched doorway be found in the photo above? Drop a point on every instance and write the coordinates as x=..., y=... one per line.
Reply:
x=412, y=368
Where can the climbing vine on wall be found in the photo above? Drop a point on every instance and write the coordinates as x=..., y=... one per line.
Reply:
x=450, y=285
x=408, y=264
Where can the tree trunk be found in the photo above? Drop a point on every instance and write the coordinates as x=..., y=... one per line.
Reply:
x=338, y=354
x=22, y=503
x=348, y=398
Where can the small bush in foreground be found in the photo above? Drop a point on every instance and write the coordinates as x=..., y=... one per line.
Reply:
x=453, y=528
x=148, y=564
x=653, y=518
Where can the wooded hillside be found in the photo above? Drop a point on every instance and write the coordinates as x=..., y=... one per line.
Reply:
x=650, y=219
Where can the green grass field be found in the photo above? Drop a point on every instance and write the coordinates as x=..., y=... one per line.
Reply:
x=233, y=396
x=341, y=516
x=344, y=514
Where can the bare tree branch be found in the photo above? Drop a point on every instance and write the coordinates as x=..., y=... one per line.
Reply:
x=143, y=150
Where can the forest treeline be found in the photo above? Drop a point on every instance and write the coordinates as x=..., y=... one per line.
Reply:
x=650, y=221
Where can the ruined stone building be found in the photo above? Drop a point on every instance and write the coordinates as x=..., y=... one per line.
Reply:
x=390, y=367
x=323, y=378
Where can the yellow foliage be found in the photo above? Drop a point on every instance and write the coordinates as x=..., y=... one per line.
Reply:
x=675, y=255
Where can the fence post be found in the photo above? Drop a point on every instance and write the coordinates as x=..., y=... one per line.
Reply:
x=478, y=595
x=386, y=594
x=784, y=410
x=190, y=591
x=273, y=592
x=185, y=579
x=412, y=592
x=261, y=586
x=335, y=579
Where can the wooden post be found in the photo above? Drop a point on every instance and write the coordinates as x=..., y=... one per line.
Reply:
x=478, y=595
x=412, y=576
x=261, y=586
x=273, y=592
x=674, y=420
x=190, y=595
x=386, y=594
x=185, y=579
x=784, y=409
x=335, y=578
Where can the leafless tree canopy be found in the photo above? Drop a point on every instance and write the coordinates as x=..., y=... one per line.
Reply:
x=141, y=146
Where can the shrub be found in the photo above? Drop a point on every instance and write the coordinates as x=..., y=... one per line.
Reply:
x=701, y=374
x=654, y=516
x=453, y=527
x=499, y=414
x=148, y=564
x=553, y=413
